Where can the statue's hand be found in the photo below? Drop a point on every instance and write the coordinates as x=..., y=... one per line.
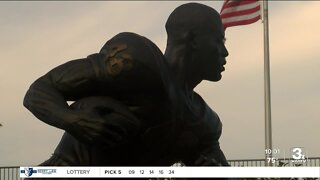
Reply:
x=103, y=121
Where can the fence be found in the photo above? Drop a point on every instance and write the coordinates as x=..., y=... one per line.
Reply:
x=12, y=173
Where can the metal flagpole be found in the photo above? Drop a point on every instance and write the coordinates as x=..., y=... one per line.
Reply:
x=267, y=98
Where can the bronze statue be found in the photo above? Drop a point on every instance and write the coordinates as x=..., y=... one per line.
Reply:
x=195, y=52
x=129, y=109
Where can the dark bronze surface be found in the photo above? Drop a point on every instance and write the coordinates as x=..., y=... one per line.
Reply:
x=133, y=105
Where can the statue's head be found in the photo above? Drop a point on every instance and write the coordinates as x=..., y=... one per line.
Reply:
x=199, y=28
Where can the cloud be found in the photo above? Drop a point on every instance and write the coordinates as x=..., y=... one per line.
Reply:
x=293, y=32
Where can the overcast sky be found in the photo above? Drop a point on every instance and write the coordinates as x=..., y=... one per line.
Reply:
x=37, y=36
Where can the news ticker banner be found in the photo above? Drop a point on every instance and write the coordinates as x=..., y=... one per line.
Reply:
x=167, y=172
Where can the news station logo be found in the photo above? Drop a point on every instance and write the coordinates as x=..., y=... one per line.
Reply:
x=28, y=171
x=298, y=155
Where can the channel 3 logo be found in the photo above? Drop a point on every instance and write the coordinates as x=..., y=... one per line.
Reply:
x=298, y=155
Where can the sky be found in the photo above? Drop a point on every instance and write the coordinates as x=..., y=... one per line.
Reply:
x=38, y=36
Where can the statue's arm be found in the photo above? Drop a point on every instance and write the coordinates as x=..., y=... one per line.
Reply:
x=47, y=97
x=209, y=152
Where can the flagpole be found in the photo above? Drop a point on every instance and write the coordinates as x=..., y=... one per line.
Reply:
x=267, y=97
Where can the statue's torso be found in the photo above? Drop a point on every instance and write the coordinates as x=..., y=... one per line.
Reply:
x=198, y=133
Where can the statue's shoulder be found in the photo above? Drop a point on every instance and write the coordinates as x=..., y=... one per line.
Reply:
x=200, y=102
x=209, y=115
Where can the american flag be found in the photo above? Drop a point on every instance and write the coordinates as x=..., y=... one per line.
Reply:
x=240, y=12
